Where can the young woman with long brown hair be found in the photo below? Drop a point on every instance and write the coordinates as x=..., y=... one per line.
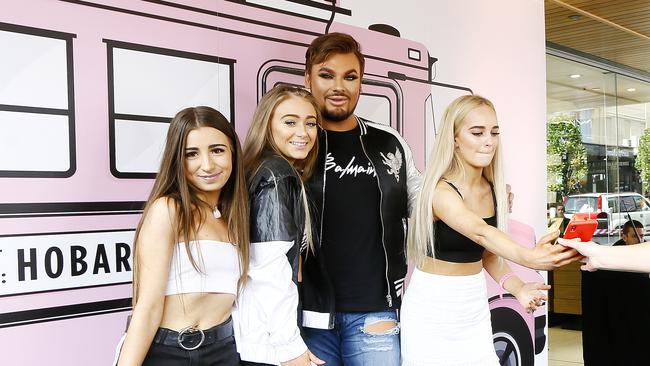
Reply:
x=280, y=151
x=191, y=248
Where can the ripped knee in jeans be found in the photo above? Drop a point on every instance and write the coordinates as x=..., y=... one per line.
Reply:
x=380, y=333
x=374, y=326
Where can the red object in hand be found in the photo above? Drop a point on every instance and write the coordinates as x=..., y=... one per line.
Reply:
x=582, y=216
x=582, y=225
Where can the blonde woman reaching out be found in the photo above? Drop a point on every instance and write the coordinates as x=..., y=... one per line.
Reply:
x=457, y=230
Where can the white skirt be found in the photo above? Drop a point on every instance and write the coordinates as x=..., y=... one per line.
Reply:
x=445, y=320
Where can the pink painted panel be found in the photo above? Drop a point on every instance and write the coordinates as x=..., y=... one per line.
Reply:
x=249, y=36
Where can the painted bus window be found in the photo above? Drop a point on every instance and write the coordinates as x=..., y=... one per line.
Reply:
x=375, y=108
x=147, y=87
x=36, y=95
x=430, y=128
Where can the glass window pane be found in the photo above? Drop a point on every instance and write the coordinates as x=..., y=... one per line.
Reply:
x=610, y=112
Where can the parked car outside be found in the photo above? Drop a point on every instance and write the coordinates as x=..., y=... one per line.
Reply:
x=612, y=210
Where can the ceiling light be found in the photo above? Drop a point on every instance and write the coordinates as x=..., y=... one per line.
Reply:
x=575, y=17
x=595, y=89
x=631, y=89
x=575, y=76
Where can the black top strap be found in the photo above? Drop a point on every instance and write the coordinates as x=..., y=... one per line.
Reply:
x=453, y=186
x=494, y=197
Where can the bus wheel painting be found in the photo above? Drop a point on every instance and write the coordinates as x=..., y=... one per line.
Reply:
x=511, y=338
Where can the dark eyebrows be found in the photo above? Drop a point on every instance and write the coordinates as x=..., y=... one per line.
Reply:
x=209, y=147
x=327, y=69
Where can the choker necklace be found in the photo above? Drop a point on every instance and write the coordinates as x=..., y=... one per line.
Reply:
x=216, y=213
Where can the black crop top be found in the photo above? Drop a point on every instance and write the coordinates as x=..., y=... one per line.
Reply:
x=452, y=246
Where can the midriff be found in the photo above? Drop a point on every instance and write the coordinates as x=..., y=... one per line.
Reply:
x=204, y=310
x=440, y=267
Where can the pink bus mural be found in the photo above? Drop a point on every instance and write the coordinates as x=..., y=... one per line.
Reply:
x=518, y=336
x=86, y=94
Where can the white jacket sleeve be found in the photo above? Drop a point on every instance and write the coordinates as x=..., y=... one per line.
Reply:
x=413, y=177
x=272, y=295
x=276, y=296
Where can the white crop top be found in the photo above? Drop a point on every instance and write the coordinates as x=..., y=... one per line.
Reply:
x=219, y=264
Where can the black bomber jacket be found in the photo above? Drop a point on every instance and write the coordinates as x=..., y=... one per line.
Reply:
x=398, y=182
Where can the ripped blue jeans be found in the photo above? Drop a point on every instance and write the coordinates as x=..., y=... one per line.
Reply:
x=351, y=344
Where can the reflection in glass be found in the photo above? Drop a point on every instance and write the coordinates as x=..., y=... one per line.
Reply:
x=611, y=111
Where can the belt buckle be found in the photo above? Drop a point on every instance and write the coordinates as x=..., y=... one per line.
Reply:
x=191, y=330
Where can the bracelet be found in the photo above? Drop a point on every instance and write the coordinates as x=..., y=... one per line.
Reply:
x=504, y=278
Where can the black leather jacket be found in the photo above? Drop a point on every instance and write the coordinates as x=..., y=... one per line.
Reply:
x=266, y=317
x=398, y=182
x=274, y=190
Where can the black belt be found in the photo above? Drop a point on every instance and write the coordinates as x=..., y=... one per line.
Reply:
x=191, y=338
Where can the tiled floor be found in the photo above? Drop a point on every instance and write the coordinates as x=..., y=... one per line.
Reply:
x=564, y=347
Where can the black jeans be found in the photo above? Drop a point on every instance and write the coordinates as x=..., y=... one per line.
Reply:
x=218, y=348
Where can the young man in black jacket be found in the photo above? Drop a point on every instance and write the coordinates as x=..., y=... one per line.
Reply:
x=362, y=189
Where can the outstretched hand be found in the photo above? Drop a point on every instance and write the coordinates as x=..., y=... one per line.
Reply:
x=531, y=295
x=589, y=250
x=547, y=256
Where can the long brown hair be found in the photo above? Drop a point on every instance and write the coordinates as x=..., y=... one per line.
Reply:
x=259, y=141
x=171, y=182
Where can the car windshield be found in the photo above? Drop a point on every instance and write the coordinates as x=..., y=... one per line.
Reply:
x=581, y=204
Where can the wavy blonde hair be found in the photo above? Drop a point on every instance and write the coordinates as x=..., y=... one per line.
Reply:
x=444, y=161
x=259, y=141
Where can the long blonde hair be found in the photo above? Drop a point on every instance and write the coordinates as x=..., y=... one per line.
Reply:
x=171, y=182
x=259, y=141
x=444, y=161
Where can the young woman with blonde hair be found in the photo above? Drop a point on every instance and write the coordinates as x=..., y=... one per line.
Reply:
x=191, y=248
x=280, y=151
x=457, y=230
